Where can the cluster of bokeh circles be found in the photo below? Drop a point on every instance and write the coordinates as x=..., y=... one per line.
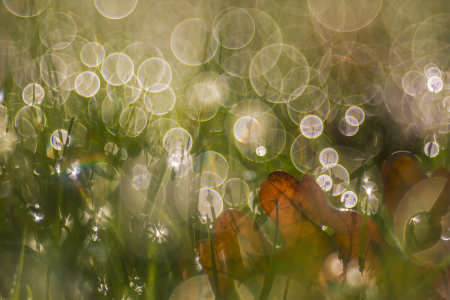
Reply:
x=185, y=106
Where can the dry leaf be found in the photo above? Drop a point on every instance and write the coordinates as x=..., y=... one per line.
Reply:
x=240, y=250
x=399, y=173
x=303, y=208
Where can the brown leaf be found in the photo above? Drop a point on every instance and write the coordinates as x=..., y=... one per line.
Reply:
x=399, y=173
x=304, y=208
x=240, y=250
x=306, y=244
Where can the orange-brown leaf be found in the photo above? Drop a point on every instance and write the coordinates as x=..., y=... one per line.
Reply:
x=240, y=249
x=399, y=173
x=303, y=208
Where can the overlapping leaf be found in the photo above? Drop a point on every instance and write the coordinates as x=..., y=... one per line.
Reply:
x=304, y=209
x=239, y=249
